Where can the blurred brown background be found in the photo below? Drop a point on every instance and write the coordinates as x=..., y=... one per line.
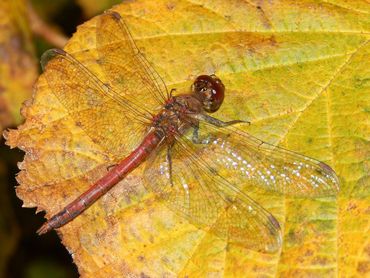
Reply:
x=27, y=29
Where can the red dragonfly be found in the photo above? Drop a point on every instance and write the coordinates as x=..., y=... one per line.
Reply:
x=199, y=166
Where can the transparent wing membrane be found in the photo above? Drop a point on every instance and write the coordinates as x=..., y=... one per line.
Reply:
x=95, y=107
x=193, y=190
x=208, y=182
x=126, y=68
x=251, y=163
x=134, y=93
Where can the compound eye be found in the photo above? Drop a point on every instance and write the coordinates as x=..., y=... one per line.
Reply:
x=210, y=91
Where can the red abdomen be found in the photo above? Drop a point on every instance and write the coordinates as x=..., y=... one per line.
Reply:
x=103, y=185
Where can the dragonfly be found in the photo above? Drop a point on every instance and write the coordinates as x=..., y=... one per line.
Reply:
x=202, y=168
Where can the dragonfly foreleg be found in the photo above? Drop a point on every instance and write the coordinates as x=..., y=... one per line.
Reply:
x=197, y=140
x=216, y=122
x=212, y=121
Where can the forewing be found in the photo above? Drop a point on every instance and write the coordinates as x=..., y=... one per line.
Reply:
x=126, y=69
x=194, y=191
x=95, y=107
x=251, y=164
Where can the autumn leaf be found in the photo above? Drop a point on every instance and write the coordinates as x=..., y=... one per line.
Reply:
x=18, y=68
x=298, y=70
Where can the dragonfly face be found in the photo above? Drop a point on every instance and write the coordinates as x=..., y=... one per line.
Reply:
x=210, y=91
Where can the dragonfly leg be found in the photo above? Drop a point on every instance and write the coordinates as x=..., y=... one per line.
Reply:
x=169, y=161
x=111, y=166
x=172, y=91
x=212, y=121
x=217, y=122
x=197, y=140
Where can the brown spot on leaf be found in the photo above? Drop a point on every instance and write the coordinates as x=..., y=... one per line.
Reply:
x=171, y=6
x=143, y=275
x=363, y=267
x=141, y=258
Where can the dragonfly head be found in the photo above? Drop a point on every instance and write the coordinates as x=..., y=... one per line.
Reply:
x=210, y=91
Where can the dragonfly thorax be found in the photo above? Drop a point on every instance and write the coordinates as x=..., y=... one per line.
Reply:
x=207, y=95
x=174, y=119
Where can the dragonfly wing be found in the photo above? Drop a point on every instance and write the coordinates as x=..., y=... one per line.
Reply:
x=251, y=164
x=210, y=202
x=127, y=70
x=94, y=106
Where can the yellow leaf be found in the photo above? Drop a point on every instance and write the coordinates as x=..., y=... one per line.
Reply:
x=298, y=70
